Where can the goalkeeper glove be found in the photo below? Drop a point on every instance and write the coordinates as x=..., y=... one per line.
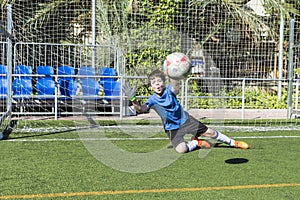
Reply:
x=129, y=91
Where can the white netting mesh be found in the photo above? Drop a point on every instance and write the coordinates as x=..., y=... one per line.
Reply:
x=227, y=41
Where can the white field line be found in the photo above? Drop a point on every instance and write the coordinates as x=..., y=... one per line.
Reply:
x=150, y=128
x=137, y=139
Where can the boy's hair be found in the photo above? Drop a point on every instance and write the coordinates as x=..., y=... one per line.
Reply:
x=156, y=73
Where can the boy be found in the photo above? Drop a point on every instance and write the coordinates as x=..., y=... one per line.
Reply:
x=177, y=122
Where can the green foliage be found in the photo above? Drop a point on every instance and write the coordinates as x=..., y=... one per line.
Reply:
x=255, y=98
x=150, y=42
x=164, y=12
x=297, y=71
x=262, y=98
x=142, y=61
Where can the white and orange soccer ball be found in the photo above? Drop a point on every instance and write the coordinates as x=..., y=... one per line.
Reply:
x=177, y=65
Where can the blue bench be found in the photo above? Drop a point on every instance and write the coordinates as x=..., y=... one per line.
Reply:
x=22, y=84
x=66, y=81
x=110, y=86
x=45, y=85
x=3, y=81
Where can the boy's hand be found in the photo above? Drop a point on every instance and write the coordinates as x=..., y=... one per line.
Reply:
x=175, y=86
x=129, y=91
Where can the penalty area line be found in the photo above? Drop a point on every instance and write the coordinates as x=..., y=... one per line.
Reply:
x=123, y=192
x=137, y=139
x=268, y=137
x=81, y=139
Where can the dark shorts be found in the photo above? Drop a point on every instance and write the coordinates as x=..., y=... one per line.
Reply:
x=191, y=126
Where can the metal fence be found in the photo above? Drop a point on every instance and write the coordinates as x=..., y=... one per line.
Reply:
x=242, y=94
x=43, y=73
x=293, y=68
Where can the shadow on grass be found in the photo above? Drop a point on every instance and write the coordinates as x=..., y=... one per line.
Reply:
x=236, y=161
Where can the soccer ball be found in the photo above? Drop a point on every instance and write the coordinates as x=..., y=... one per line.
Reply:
x=177, y=66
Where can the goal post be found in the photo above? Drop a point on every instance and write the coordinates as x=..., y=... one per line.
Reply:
x=6, y=68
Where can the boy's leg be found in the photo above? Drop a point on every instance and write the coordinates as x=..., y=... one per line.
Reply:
x=189, y=146
x=214, y=134
x=177, y=141
x=196, y=128
x=185, y=147
x=180, y=145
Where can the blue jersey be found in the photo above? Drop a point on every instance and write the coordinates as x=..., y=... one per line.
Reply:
x=168, y=108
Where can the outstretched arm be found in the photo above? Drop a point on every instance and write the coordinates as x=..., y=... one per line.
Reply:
x=140, y=108
x=130, y=92
x=175, y=86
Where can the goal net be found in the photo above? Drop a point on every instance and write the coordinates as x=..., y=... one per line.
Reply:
x=59, y=79
x=70, y=59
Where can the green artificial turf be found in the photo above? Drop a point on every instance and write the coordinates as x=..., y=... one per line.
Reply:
x=60, y=166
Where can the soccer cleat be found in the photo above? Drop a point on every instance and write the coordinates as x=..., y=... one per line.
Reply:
x=240, y=144
x=201, y=143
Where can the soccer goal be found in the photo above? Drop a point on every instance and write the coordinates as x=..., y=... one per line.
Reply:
x=68, y=62
x=41, y=82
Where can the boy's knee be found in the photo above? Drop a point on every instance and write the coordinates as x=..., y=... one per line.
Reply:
x=181, y=148
x=209, y=133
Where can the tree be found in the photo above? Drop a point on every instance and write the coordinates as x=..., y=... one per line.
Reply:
x=227, y=29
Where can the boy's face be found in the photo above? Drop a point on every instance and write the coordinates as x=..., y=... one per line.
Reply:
x=157, y=85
